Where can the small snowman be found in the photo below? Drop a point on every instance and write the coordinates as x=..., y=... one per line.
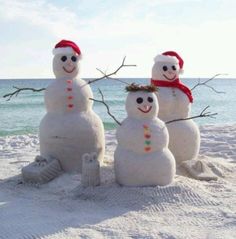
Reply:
x=70, y=127
x=142, y=157
x=175, y=103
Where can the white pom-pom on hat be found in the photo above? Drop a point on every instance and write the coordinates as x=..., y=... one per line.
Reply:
x=67, y=47
x=163, y=58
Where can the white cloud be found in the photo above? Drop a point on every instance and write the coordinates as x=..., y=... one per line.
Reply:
x=39, y=13
x=110, y=33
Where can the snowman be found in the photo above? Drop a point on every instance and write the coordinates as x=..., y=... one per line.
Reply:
x=175, y=103
x=142, y=157
x=70, y=127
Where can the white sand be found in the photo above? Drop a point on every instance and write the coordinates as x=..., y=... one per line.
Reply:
x=62, y=209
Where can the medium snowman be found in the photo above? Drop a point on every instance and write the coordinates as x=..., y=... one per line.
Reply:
x=70, y=127
x=142, y=157
x=175, y=103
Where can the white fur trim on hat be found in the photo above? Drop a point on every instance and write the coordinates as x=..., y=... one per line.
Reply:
x=164, y=58
x=63, y=50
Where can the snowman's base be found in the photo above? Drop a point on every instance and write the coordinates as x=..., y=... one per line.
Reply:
x=140, y=170
x=199, y=170
x=41, y=170
x=184, y=140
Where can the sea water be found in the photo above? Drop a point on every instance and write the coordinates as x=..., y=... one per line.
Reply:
x=22, y=114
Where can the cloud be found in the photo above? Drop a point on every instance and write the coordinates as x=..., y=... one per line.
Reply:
x=108, y=30
x=41, y=14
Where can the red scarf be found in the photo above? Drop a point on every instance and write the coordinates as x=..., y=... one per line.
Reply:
x=176, y=84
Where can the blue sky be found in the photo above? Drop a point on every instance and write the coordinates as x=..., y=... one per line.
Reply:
x=202, y=32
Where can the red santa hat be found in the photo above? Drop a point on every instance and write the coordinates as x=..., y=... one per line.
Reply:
x=66, y=47
x=171, y=56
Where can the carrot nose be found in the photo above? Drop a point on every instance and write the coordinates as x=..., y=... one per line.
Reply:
x=70, y=63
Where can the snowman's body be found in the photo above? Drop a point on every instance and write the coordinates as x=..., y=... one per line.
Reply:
x=70, y=127
x=67, y=133
x=174, y=104
x=184, y=135
x=142, y=157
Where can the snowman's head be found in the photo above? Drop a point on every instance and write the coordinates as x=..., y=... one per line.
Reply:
x=142, y=104
x=66, y=59
x=66, y=65
x=167, y=67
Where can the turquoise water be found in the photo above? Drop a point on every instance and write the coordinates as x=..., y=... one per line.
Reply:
x=22, y=114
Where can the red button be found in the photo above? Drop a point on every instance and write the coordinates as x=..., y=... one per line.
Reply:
x=147, y=136
x=70, y=97
x=69, y=89
x=70, y=106
x=69, y=81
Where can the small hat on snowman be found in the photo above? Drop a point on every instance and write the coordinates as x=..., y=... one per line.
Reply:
x=67, y=47
x=173, y=57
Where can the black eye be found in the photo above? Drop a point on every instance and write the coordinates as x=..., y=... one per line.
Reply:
x=165, y=68
x=173, y=68
x=74, y=58
x=150, y=99
x=63, y=58
x=139, y=100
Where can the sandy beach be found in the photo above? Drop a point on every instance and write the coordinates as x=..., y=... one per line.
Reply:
x=63, y=209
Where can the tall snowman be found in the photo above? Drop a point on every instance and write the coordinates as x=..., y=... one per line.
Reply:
x=142, y=157
x=70, y=127
x=175, y=102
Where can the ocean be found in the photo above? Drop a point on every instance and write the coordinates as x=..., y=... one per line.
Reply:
x=22, y=114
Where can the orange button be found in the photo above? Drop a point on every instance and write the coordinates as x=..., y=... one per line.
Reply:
x=147, y=149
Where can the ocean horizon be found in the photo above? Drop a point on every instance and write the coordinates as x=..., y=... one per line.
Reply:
x=22, y=114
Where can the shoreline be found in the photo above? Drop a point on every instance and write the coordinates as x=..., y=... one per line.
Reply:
x=114, y=129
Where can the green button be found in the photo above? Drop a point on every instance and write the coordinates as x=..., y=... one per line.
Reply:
x=147, y=142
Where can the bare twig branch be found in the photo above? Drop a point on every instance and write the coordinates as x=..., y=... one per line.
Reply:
x=107, y=76
x=18, y=90
x=201, y=115
x=216, y=91
x=116, y=79
x=204, y=83
x=106, y=105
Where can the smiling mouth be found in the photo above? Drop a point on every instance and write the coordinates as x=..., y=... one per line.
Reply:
x=68, y=71
x=169, y=78
x=145, y=111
